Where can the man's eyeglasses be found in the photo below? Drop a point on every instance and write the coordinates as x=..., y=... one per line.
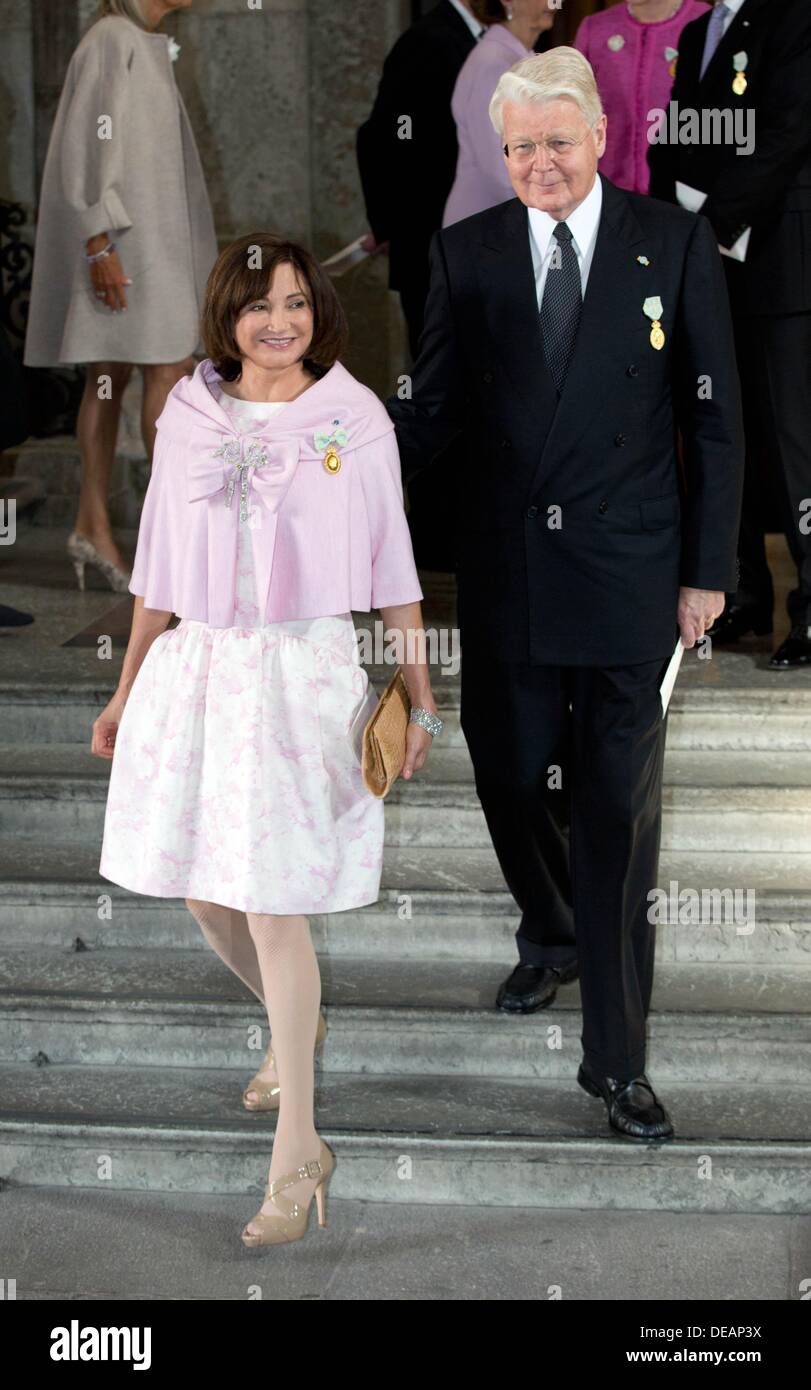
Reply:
x=557, y=147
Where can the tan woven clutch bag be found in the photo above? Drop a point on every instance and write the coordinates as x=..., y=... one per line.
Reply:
x=384, y=738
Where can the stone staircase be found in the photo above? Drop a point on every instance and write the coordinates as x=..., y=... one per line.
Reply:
x=44, y=474
x=123, y=1035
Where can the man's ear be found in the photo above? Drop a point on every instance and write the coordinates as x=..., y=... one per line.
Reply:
x=600, y=134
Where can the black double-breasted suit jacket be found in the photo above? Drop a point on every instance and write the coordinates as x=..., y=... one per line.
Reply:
x=577, y=524
x=767, y=188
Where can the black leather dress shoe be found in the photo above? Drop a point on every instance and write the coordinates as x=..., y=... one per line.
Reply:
x=14, y=617
x=795, y=651
x=739, y=619
x=633, y=1109
x=532, y=987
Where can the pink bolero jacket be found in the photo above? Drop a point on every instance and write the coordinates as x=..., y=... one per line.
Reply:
x=634, y=65
x=323, y=542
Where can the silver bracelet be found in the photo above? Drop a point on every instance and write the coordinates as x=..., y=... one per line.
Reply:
x=426, y=720
x=97, y=255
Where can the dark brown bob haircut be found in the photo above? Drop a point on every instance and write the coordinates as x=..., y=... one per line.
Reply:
x=232, y=284
x=489, y=11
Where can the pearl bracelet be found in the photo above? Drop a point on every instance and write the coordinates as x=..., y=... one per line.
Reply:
x=97, y=255
x=426, y=720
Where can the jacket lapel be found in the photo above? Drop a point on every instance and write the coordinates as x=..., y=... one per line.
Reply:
x=612, y=311
x=507, y=283
x=734, y=36
x=615, y=291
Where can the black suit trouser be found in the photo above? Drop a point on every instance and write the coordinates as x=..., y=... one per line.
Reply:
x=577, y=748
x=774, y=363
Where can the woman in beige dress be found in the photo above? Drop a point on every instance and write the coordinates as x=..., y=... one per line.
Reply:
x=122, y=183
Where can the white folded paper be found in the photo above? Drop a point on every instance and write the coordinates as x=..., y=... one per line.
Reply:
x=344, y=259
x=666, y=688
x=693, y=199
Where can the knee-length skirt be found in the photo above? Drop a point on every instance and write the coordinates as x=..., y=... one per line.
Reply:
x=236, y=776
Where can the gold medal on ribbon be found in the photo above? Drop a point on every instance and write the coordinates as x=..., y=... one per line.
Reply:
x=739, y=62
x=653, y=308
x=326, y=440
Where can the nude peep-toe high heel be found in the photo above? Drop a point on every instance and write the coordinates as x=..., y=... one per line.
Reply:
x=82, y=552
x=292, y=1223
x=268, y=1091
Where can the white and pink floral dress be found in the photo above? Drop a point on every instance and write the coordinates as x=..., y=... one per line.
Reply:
x=236, y=775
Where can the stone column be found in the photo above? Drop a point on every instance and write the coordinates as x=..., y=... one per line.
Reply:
x=275, y=91
x=347, y=46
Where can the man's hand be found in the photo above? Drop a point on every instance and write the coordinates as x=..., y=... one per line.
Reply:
x=697, y=610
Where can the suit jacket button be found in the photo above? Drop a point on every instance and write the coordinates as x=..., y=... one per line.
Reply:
x=532, y=511
x=633, y=370
x=487, y=376
x=620, y=439
x=506, y=443
x=603, y=508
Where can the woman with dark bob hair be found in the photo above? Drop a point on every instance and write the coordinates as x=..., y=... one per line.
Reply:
x=274, y=509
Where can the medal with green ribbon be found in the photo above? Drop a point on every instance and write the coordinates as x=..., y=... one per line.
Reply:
x=653, y=308
x=739, y=83
x=323, y=440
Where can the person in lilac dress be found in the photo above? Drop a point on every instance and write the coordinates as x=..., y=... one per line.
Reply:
x=482, y=179
x=633, y=49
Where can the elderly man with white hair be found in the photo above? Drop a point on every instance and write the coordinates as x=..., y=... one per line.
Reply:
x=572, y=333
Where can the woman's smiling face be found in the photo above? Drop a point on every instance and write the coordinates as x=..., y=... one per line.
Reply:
x=276, y=330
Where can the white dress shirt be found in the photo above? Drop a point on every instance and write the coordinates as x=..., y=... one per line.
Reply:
x=582, y=223
x=470, y=19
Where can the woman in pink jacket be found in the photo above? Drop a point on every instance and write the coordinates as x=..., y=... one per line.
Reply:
x=633, y=49
x=275, y=508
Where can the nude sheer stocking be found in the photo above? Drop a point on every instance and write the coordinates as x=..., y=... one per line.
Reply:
x=275, y=957
x=226, y=931
x=292, y=987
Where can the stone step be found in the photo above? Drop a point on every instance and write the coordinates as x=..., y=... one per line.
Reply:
x=54, y=463
x=55, y=886
x=454, y=1140
x=54, y=767
x=27, y=494
x=57, y=1240
x=395, y=1017
x=60, y=707
x=59, y=791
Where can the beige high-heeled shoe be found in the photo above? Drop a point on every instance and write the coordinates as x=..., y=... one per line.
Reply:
x=268, y=1091
x=292, y=1223
x=83, y=552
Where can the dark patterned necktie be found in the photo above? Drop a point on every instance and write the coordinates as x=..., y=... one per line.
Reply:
x=560, y=306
